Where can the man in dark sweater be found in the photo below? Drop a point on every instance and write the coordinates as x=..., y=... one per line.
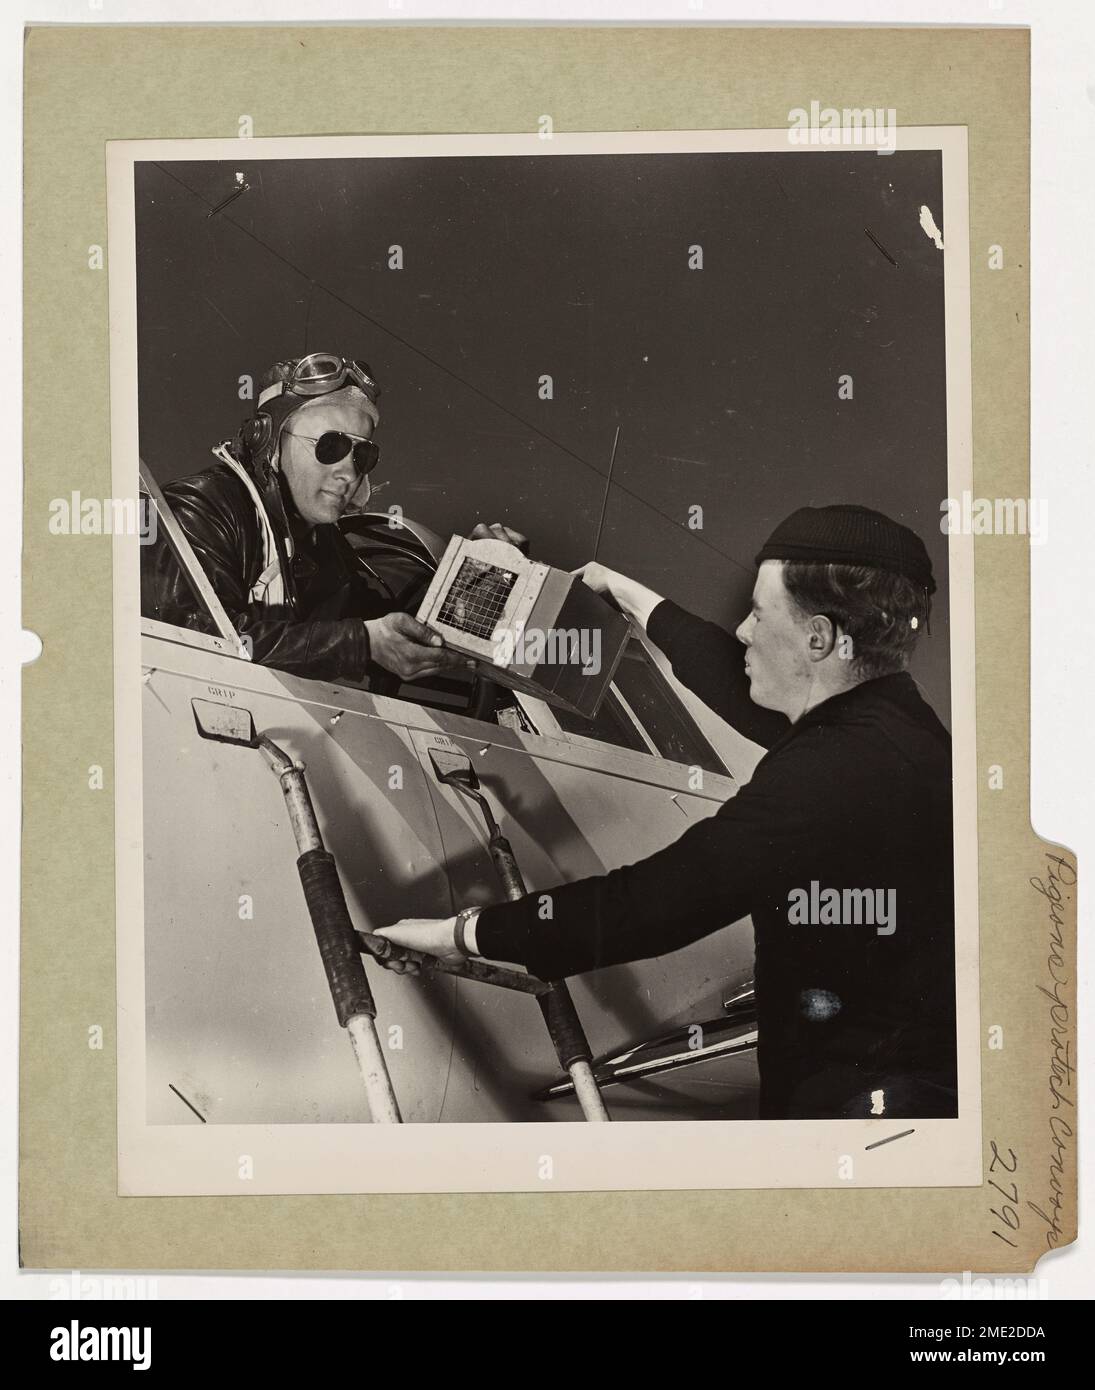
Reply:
x=840, y=847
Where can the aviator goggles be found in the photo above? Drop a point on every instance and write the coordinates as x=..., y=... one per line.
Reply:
x=320, y=373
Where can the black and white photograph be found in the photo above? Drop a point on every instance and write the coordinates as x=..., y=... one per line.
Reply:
x=544, y=662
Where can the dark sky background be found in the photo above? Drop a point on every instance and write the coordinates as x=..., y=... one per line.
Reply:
x=723, y=381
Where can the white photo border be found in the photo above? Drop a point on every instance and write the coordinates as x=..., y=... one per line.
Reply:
x=491, y=1157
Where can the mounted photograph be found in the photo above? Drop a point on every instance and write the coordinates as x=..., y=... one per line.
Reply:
x=544, y=666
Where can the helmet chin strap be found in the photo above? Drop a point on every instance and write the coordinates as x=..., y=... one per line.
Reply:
x=354, y=505
x=284, y=503
x=278, y=505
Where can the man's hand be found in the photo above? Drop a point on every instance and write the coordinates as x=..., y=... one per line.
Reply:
x=497, y=532
x=631, y=597
x=433, y=938
x=598, y=577
x=409, y=649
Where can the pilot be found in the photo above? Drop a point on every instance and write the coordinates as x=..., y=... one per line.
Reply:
x=840, y=845
x=262, y=520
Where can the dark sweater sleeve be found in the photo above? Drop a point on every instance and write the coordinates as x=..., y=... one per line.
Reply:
x=711, y=663
x=705, y=880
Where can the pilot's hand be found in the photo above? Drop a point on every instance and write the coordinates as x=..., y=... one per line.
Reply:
x=433, y=938
x=497, y=532
x=409, y=649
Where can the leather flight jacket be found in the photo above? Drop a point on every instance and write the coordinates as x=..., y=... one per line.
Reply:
x=318, y=630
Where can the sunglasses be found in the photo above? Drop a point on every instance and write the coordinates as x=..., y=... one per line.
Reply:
x=332, y=447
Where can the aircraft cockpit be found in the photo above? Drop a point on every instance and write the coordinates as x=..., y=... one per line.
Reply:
x=572, y=796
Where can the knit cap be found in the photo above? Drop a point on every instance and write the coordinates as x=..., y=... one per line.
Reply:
x=848, y=535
